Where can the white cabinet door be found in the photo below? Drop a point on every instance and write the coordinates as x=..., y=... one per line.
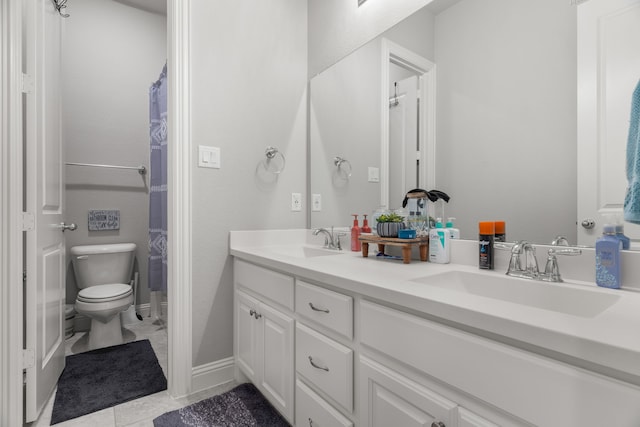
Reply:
x=275, y=340
x=608, y=71
x=264, y=350
x=467, y=418
x=390, y=399
x=246, y=329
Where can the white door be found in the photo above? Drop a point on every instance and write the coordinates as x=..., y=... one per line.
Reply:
x=45, y=253
x=608, y=71
x=403, y=140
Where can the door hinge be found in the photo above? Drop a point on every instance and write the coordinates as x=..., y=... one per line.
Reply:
x=28, y=358
x=28, y=221
x=27, y=83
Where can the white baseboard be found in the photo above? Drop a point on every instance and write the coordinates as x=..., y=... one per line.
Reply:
x=212, y=374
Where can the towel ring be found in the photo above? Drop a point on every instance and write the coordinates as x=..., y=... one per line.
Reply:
x=343, y=165
x=271, y=162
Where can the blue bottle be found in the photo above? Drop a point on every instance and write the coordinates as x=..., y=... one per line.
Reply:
x=608, y=258
x=626, y=242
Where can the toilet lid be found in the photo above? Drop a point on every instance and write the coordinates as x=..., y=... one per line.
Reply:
x=103, y=293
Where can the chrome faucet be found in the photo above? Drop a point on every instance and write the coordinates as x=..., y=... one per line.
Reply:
x=551, y=270
x=530, y=270
x=331, y=240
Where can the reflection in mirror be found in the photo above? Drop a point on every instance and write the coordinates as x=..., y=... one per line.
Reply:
x=505, y=119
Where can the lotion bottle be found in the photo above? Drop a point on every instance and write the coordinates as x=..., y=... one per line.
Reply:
x=356, y=244
x=608, y=258
x=453, y=232
x=439, y=248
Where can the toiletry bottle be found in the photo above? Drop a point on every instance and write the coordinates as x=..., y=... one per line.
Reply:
x=485, y=240
x=626, y=242
x=365, y=225
x=454, y=232
x=608, y=258
x=500, y=234
x=356, y=245
x=439, y=249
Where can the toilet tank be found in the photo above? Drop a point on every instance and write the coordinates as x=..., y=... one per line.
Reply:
x=102, y=264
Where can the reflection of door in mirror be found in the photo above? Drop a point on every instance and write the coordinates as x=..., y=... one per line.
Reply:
x=403, y=134
x=408, y=125
x=608, y=71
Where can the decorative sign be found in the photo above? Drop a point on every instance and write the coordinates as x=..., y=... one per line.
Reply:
x=100, y=220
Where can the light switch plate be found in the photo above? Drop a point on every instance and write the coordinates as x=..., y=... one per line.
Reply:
x=208, y=157
x=374, y=174
x=316, y=202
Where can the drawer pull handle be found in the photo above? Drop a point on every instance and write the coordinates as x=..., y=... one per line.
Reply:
x=324, y=368
x=314, y=308
x=437, y=424
x=255, y=314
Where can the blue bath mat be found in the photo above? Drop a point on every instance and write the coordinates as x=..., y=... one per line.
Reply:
x=106, y=377
x=242, y=406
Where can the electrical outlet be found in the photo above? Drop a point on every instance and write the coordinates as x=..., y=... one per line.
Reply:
x=296, y=202
x=316, y=202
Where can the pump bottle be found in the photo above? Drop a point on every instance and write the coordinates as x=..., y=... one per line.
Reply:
x=439, y=249
x=453, y=232
x=356, y=245
x=365, y=225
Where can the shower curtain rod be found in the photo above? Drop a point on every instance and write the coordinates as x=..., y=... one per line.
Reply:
x=142, y=170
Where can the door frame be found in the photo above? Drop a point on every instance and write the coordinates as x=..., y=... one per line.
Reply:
x=426, y=72
x=11, y=206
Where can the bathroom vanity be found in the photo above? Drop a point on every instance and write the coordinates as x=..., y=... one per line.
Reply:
x=332, y=338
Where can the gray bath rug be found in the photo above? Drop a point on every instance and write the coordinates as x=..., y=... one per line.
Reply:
x=106, y=377
x=239, y=407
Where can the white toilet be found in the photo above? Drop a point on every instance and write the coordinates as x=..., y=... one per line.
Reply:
x=102, y=274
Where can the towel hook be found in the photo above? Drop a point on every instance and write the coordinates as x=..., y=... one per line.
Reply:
x=272, y=154
x=343, y=165
x=394, y=102
x=60, y=5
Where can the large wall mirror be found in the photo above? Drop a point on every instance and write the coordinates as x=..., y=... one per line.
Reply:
x=505, y=126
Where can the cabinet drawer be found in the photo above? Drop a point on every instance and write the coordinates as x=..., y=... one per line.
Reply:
x=313, y=410
x=275, y=286
x=326, y=364
x=534, y=388
x=328, y=309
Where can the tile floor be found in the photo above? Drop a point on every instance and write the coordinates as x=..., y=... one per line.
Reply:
x=139, y=412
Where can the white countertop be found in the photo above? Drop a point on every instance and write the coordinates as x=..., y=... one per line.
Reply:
x=608, y=342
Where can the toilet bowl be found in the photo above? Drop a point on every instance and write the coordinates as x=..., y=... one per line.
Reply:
x=102, y=276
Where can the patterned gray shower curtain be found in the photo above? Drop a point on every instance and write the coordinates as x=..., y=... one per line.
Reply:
x=158, y=184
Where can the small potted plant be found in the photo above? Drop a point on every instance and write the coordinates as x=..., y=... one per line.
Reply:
x=389, y=224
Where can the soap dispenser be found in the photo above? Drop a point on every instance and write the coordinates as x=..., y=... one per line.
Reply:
x=356, y=245
x=608, y=258
x=365, y=225
x=439, y=249
x=453, y=232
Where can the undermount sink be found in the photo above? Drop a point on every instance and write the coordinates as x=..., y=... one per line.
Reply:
x=302, y=251
x=548, y=296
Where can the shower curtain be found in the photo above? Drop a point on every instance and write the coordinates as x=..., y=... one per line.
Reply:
x=158, y=184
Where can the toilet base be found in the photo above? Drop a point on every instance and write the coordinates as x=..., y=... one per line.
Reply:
x=105, y=334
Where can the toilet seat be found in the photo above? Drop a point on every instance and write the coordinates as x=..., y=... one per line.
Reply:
x=104, y=293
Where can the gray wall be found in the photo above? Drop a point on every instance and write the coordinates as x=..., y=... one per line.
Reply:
x=338, y=27
x=249, y=91
x=506, y=118
x=112, y=53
